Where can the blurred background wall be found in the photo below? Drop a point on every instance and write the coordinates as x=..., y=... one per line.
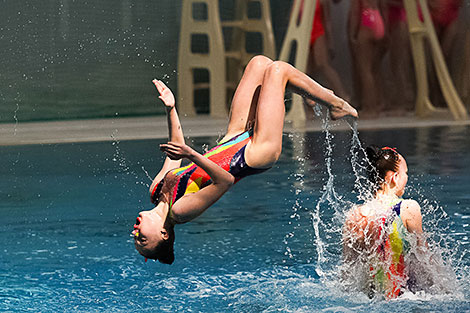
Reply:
x=69, y=59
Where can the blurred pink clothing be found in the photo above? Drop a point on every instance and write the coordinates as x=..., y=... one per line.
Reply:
x=445, y=12
x=396, y=13
x=318, y=29
x=372, y=19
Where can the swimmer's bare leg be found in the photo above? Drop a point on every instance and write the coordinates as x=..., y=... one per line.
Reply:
x=266, y=145
x=315, y=93
x=243, y=107
x=366, y=55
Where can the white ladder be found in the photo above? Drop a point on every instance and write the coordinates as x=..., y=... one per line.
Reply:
x=298, y=35
x=217, y=61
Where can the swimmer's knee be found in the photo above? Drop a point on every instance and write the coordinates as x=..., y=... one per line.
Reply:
x=259, y=62
x=277, y=154
x=273, y=153
x=277, y=68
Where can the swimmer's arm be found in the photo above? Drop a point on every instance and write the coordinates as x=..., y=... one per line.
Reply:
x=413, y=220
x=175, y=132
x=174, y=126
x=351, y=235
x=192, y=205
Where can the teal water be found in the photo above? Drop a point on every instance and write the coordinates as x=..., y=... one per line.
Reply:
x=67, y=211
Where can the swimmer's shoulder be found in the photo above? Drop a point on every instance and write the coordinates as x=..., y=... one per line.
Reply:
x=410, y=206
x=357, y=214
x=411, y=214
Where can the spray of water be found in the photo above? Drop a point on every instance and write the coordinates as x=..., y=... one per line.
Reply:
x=298, y=178
x=15, y=113
x=120, y=160
x=328, y=197
x=429, y=270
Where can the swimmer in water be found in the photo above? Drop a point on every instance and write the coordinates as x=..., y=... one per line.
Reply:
x=376, y=234
x=252, y=145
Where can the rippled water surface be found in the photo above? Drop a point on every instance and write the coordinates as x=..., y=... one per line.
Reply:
x=67, y=211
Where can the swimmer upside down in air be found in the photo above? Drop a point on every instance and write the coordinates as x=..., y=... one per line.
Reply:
x=252, y=144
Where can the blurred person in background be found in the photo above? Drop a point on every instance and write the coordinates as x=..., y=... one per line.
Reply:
x=401, y=64
x=444, y=14
x=366, y=32
x=321, y=50
x=445, y=18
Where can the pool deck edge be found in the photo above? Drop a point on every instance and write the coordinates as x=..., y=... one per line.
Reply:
x=155, y=127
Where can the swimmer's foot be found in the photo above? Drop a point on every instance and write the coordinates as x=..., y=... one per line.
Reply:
x=341, y=109
x=338, y=108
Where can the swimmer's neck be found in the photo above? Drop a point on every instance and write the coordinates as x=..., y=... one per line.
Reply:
x=163, y=211
x=386, y=193
x=386, y=190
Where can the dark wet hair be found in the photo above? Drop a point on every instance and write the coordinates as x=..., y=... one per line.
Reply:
x=381, y=160
x=163, y=252
x=155, y=196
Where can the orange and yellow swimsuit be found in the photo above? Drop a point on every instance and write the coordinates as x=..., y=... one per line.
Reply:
x=229, y=155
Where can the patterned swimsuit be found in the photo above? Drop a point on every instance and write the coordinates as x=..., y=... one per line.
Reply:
x=229, y=155
x=392, y=278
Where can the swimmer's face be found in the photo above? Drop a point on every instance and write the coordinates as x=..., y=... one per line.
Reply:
x=148, y=231
x=401, y=177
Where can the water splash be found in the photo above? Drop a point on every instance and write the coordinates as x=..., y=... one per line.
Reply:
x=117, y=156
x=147, y=173
x=359, y=164
x=15, y=116
x=120, y=160
x=299, y=187
x=429, y=270
x=15, y=113
x=328, y=191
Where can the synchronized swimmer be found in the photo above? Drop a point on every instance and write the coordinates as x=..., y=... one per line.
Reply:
x=376, y=234
x=252, y=144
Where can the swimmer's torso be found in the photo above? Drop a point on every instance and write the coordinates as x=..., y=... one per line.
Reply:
x=229, y=155
x=389, y=273
x=378, y=238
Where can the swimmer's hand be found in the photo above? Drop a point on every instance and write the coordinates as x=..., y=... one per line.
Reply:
x=177, y=151
x=165, y=94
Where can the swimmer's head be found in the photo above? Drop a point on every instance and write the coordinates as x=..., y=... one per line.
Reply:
x=154, y=237
x=387, y=168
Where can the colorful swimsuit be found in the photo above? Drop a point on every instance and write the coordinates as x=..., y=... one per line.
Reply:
x=372, y=19
x=318, y=29
x=229, y=155
x=391, y=251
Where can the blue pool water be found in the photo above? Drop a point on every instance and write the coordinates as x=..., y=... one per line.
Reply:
x=66, y=212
